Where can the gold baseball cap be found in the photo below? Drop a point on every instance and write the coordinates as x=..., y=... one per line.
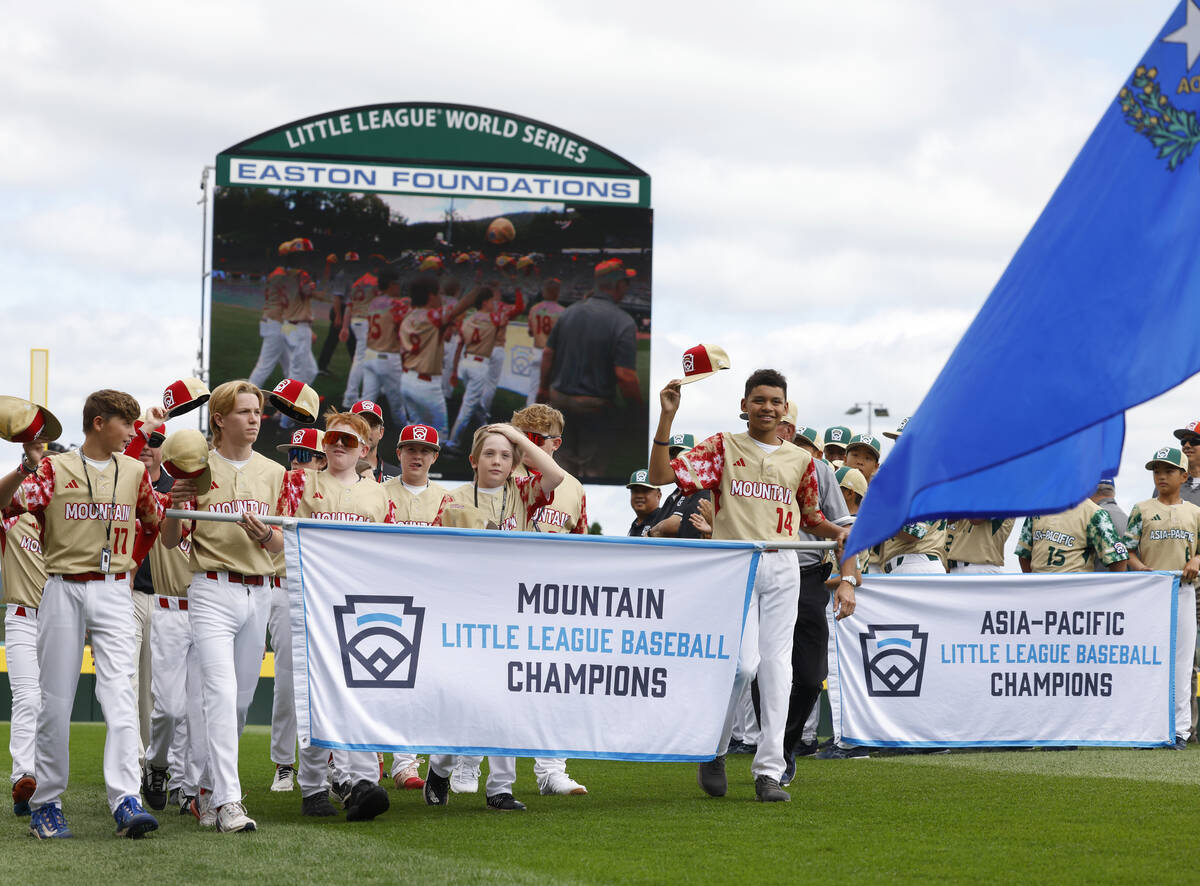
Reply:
x=297, y=401
x=24, y=422
x=185, y=457
x=702, y=361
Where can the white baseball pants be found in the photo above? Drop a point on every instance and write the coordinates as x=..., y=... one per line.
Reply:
x=424, y=402
x=68, y=610
x=474, y=374
x=1185, y=650
x=302, y=365
x=767, y=651
x=502, y=771
x=448, y=365
x=170, y=643
x=976, y=569
x=833, y=680
x=359, y=327
x=229, y=629
x=495, y=369
x=142, y=681
x=535, y=376
x=384, y=372
x=20, y=645
x=914, y=564
x=274, y=350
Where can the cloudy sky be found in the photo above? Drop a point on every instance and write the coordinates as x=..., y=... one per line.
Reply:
x=836, y=186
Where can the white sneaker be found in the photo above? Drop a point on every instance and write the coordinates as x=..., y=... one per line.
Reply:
x=232, y=818
x=285, y=779
x=560, y=783
x=208, y=815
x=464, y=779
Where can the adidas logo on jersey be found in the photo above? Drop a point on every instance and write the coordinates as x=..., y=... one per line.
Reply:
x=318, y=495
x=72, y=485
x=214, y=485
x=740, y=463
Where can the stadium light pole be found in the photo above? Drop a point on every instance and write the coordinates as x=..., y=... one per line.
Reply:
x=878, y=410
x=203, y=204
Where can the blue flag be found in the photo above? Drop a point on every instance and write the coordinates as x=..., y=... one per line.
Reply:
x=1098, y=311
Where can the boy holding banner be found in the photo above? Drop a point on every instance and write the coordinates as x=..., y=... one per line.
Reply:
x=1162, y=535
x=767, y=491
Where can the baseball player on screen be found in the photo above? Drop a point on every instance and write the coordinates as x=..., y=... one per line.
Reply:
x=382, y=363
x=421, y=339
x=88, y=503
x=274, y=348
x=233, y=572
x=724, y=463
x=355, y=325
x=542, y=318
x=478, y=342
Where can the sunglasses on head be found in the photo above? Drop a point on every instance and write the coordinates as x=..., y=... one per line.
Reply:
x=345, y=438
x=304, y=456
x=1191, y=441
x=538, y=439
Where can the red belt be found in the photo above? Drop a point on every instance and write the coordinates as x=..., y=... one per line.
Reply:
x=94, y=576
x=237, y=578
x=423, y=376
x=22, y=611
x=163, y=603
x=473, y=357
x=276, y=583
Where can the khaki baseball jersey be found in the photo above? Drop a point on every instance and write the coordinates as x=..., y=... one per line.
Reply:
x=254, y=489
x=22, y=566
x=318, y=494
x=968, y=543
x=1065, y=542
x=927, y=538
x=479, y=335
x=384, y=315
x=275, y=295
x=171, y=568
x=421, y=509
x=503, y=314
x=421, y=338
x=568, y=514
x=298, y=289
x=512, y=506
x=542, y=318
x=1164, y=536
x=756, y=494
x=77, y=523
x=362, y=292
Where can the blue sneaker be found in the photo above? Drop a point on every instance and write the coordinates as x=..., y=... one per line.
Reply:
x=132, y=820
x=47, y=823
x=789, y=769
x=22, y=809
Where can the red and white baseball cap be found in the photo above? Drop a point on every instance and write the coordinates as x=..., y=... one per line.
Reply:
x=185, y=457
x=297, y=401
x=24, y=422
x=154, y=438
x=702, y=361
x=613, y=269
x=369, y=410
x=1188, y=432
x=431, y=263
x=351, y=256
x=422, y=434
x=299, y=244
x=304, y=438
x=184, y=396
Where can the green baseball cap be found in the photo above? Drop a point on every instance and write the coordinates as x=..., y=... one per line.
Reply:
x=1168, y=455
x=866, y=440
x=837, y=436
x=812, y=435
x=895, y=435
x=681, y=443
x=640, y=478
x=851, y=478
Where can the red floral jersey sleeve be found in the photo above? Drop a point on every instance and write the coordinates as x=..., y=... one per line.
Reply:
x=447, y=502
x=290, y=493
x=400, y=309
x=808, y=497
x=150, y=504
x=702, y=466
x=306, y=285
x=34, y=493
x=581, y=526
x=390, y=516
x=530, y=489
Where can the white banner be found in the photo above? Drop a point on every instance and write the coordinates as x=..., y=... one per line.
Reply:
x=1081, y=659
x=437, y=641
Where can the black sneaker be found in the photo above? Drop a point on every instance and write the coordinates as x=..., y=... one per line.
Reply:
x=367, y=800
x=437, y=789
x=317, y=805
x=154, y=788
x=710, y=775
x=789, y=769
x=340, y=791
x=185, y=804
x=505, y=803
x=767, y=790
x=807, y=748
x=173, y=796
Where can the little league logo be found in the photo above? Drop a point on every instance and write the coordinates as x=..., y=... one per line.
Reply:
x=380, y=639
x=689, y=363
x=835, y=435
x=168, y=398
x=420, y=432
x=1162, y=453
x=522, y=360
x=298, y=437
x=893, y=659
x=677, y=439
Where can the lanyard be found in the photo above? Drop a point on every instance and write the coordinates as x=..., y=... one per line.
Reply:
x=503, y=501
x=113, y=506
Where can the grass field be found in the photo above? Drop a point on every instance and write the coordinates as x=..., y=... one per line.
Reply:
x=1086, y=816
x=236, y=345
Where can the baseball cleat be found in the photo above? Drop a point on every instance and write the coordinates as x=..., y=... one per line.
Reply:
x=505, y=803
x=437, y=789
x=154, y=788
x=367, y=800
x=201, y=807
x=173, y=796
x=710, y=775
x=284, y=780
x=185, y=804
x=232, y=819
x=22, y=790
x=767, y=790
x=789, y=770
x=560, y=783
x=47, y=823
x=317, y=805
x=837, y=752
x=132, y=820
x=464, y=779
x=409, y=778
x=340, y=791
x=807, y=749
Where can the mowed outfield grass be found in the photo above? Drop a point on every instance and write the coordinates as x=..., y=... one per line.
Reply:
x=1086, y=816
